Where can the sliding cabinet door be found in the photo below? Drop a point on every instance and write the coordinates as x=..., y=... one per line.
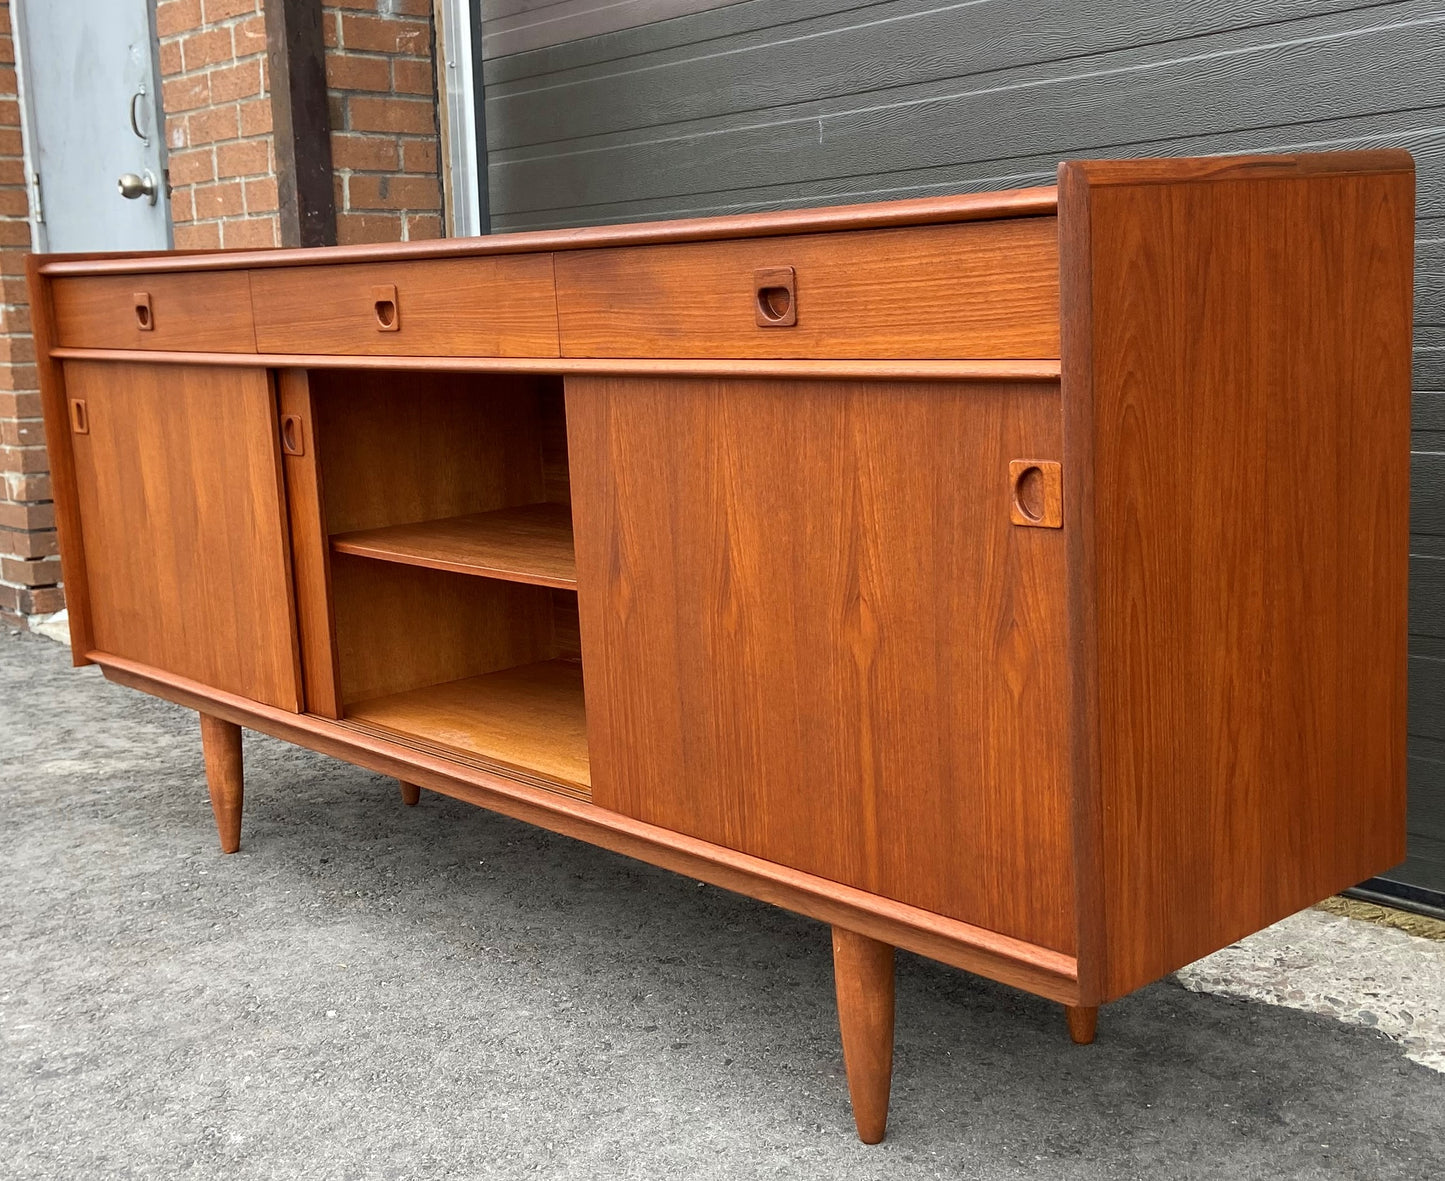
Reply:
x=183, y=522
x=812, y=632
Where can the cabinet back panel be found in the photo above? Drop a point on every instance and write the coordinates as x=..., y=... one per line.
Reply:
x=178, y=477
x=811, y=632
x=399, y=447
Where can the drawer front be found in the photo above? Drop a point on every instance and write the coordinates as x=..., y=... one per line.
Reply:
x=978, y=289
x=476, y=307
x=196, y=313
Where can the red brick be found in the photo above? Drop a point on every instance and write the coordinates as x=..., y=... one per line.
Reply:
x=261, y=195
x=19, y=404
x=14, y=201
x=416, y=116
x=353, y=228
x=177, y=16
x=219, y=10
x=212, y=125
x=250, y=233
x=202, y=236
x=42, y=600
x=206, y=48
x=188, y=168
x=25, y=461
x=413, y=77
x=22, y=432
x=421, y=226
x=15, y=317
x=170, y=59
x=419, y=155
x=222, y=199
x=386, y=36
x=330, y=30
x=9, y=112
x=18, y=544
x=19, y=377
x=10, y=144
x=186, y=94
x=27, y=486
x=365, y=153
x=14, y=232
x=17, y=348
x=26, y=516
x=30, y=571
x=355, y=71
x=183, y=205
x=393, y=192
x=247, y=157
x=242, y=80
x=250, y=36
x=256, y=117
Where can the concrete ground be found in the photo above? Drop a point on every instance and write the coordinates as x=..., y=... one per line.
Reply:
x=371, y=991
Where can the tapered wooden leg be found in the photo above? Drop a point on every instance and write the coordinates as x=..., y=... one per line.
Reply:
x=1083, y=1019
x=863, y=975
x=410, y=792
x=221, y=743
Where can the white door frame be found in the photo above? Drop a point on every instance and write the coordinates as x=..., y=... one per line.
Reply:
x=458, y=28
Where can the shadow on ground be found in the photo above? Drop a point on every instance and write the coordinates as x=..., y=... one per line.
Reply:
x=368, y=990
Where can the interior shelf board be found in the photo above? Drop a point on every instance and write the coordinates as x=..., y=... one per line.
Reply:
x=530, y=718
x=531, y=543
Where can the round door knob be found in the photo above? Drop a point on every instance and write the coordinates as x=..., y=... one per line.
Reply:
x=132, y=186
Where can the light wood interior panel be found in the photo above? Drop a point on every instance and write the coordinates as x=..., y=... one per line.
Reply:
x=178, y=477
x=397, y=448
x=811, y=632
x=403, y=627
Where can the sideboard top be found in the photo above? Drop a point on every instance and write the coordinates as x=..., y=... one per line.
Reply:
x=1042, y=201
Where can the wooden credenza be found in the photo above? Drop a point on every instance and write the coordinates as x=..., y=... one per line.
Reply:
x=1016, y=578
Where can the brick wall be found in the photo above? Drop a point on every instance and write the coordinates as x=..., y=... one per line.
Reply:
x=218, y=123
x=381, y=77
x=29, y=569
x=381, y=74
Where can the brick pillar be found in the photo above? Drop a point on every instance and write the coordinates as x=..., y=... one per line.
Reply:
x=381, y=74
x=215, y=91
x=29, y=569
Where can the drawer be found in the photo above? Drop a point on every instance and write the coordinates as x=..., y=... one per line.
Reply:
x=192, y=312
x=502, y=306
x=986, y=289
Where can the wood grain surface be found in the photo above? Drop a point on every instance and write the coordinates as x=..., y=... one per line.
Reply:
x=980, y=289
x=812, y=634
x=1239, y=387
x=531, y=543
x=487, y=307
x=530, y=718
x=191, y=313
x=187, y=558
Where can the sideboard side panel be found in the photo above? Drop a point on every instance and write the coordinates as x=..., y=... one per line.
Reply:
x=1242, y=372
x=812, y=634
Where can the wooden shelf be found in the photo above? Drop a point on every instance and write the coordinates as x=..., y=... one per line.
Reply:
x=532, y=543
x=529, y=719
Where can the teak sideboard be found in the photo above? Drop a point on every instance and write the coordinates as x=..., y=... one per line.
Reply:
x=1016, y=578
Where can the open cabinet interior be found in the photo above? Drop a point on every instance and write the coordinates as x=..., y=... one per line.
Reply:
x=447, y=520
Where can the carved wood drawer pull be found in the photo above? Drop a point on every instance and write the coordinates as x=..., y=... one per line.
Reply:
x=145, y=319
x=79, y=417
x=388, y=311
x=1038, y=493
x=776, y=298
x=293, y=438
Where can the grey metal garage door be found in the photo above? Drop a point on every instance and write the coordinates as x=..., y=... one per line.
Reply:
x=670, y=108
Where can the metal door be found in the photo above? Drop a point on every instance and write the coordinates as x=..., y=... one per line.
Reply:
x=96, y=128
